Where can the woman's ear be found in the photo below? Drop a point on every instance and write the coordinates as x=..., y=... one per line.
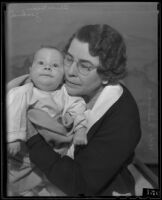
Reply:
x=105, y=82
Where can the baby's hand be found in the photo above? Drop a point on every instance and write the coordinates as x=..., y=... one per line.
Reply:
x=80, y=137
x=14, y=148
x=67, y=120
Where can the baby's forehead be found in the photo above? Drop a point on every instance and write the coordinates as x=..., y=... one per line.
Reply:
x=43, y=52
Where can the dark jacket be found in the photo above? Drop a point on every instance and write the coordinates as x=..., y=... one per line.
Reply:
x=100, y=167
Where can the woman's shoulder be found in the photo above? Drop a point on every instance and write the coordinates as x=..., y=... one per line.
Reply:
x=125, y=108
x=128, y=99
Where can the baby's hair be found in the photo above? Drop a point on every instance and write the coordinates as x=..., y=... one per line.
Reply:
x=45, y=46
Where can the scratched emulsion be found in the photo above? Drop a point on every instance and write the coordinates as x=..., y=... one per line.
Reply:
x=30, y=25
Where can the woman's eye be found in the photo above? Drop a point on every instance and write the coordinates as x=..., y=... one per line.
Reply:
x=69, y=58
x=85, y=66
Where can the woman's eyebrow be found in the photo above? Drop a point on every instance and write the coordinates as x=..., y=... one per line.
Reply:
x=81, y=60
x=86, y=61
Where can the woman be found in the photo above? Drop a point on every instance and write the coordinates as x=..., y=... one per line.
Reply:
x=95, y=61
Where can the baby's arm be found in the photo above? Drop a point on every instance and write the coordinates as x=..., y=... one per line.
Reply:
x=16, y=114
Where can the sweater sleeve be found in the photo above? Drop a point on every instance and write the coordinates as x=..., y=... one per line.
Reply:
x=61, y=171
x=96, y=164
x=17, y=99
x=108, y=152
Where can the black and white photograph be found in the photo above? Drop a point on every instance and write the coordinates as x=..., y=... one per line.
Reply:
x=96, y=67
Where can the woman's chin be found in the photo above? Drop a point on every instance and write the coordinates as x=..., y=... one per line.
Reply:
x=73, y=91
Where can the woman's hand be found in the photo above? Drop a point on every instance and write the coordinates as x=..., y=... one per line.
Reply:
x=80, y=137
x=14, y=148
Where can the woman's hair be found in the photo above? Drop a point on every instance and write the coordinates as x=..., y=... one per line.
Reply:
x=108, y=44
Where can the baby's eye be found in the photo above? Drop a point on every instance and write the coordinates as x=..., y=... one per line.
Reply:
x=55, y=65
x=40, y=62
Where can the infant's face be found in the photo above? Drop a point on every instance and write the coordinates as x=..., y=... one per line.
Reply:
x=47, y=69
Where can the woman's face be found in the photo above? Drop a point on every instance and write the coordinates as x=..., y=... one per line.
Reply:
x=81, y=84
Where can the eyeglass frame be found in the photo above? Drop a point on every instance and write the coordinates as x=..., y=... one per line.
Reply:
x=89, y=69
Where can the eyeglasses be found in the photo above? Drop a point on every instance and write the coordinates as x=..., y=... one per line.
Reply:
x=83, y=67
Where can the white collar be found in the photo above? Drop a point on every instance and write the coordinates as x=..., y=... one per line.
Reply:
x=109, y=95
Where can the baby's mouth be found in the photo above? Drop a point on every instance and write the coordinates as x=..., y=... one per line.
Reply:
x=48, y=75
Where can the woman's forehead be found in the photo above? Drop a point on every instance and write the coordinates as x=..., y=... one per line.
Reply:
x=80, y=50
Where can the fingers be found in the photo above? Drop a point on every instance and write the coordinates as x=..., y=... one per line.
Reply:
x=67, y=120
x=14, y=148
x=13, y=151
x=80, y=141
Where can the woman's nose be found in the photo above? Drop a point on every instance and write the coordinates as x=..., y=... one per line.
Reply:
x=72, y=70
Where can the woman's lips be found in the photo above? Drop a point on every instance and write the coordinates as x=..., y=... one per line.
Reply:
x=71, y=84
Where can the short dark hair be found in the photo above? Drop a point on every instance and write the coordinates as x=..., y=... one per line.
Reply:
x=107, y=43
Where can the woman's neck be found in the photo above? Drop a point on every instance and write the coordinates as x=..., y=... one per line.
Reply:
x=90, y=100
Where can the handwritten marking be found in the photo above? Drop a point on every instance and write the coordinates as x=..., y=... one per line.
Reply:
x=35, y=11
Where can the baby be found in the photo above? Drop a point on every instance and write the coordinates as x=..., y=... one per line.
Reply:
x=45, y=92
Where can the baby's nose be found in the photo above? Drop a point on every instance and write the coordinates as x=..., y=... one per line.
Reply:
x=47, y=67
